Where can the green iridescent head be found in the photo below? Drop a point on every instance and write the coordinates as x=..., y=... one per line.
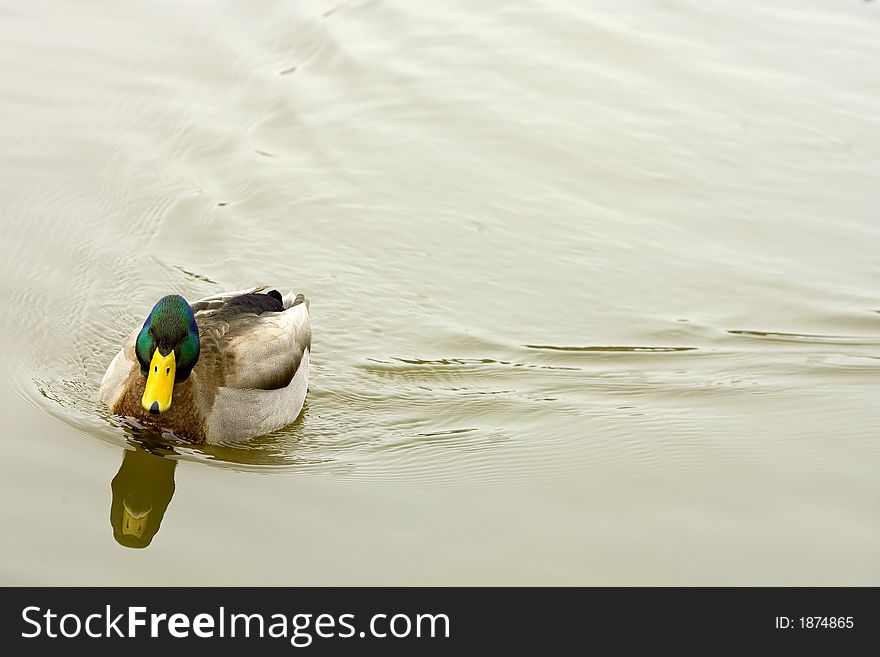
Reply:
x=167, y=348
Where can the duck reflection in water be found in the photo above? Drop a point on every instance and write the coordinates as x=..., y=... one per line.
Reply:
x=142, y=490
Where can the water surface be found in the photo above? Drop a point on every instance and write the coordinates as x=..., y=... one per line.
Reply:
x=594, y=288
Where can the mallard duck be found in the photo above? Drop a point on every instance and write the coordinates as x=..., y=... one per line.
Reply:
x=226, y=368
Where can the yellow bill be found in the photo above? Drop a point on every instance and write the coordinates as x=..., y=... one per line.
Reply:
x=160, y=383
x=134, y=521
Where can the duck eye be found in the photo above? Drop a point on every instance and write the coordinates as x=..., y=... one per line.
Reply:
x=167, y=370
x=156, y=368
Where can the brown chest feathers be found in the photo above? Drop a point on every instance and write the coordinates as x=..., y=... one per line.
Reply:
x=186, y=416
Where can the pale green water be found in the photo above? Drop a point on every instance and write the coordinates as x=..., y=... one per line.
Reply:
x=595, y=286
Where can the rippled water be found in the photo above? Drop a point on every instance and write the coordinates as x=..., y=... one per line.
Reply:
x=594, y=288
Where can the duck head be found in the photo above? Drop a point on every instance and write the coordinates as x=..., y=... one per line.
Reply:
x=167, y=348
